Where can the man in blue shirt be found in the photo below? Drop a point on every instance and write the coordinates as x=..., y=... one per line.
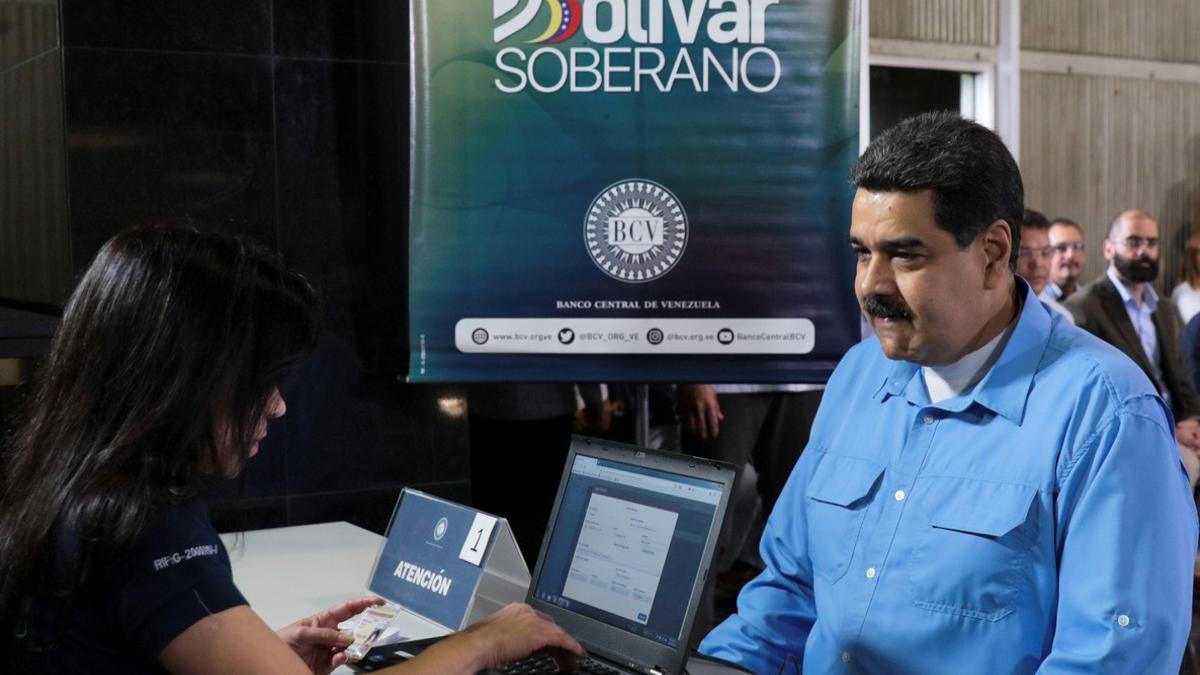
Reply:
x=986, y=488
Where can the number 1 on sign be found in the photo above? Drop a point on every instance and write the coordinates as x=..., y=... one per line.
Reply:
x=477, y=539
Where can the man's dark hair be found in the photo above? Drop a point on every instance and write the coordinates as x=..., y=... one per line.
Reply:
x=1035, y=220
x=973, y=177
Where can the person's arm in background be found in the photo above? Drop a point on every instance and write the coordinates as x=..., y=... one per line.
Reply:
x=595, y=415
x=699, y=410
x=237, y=642
x=1126, y=545
x=1187, y=429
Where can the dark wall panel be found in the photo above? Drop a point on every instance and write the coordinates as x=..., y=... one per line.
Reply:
x=365, y=30
x=343, y=194
x=215, y=26
x=34, y=245
x=168, y=134
x=285, y=120
x=28, y=28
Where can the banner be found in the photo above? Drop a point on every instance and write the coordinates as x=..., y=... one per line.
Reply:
x=632, y=190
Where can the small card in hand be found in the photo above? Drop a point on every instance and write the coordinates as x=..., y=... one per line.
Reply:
x=369, y=626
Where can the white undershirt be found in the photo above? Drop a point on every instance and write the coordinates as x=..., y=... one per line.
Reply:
x=946, y=382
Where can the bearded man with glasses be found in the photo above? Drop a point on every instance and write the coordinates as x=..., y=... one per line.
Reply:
x=1123, y=309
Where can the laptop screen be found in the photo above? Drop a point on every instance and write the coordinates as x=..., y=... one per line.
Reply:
x=627, y=545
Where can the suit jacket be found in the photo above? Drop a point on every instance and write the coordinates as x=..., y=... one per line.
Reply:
x=1099, y=310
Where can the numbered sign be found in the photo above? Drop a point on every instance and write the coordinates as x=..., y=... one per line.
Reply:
x=447, y=562
x=478, y=537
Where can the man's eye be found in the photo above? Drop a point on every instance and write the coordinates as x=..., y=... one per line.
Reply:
x=861, y=253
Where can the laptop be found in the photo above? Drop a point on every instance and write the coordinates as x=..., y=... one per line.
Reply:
x=625, y=557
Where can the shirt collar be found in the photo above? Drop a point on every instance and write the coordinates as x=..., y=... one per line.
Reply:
x=1053, y=290
x=959, y=377
x=1149, y=295
x=1005, y=388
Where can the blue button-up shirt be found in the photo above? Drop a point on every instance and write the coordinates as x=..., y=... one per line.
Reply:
x=1041, y=521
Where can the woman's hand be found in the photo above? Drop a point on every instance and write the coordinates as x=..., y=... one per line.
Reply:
x=316, y=639
x=517, y=631
x=512, y=633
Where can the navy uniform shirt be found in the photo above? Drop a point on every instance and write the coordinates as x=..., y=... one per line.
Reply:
x=175, y=574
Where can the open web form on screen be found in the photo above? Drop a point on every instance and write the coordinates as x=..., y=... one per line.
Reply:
x=619, y=558
x=627, y=545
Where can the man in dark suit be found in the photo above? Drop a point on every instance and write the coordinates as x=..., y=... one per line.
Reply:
x=1123, y=309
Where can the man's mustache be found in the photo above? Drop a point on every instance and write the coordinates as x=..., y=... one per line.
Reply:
x=885, y=307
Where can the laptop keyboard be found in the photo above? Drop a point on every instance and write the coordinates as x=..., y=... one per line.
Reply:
x=541, y=663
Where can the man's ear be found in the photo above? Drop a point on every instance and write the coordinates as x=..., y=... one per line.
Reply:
x=998, y=247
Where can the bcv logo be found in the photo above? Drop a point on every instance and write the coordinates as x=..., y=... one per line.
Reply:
x=637, y=231
x=565, y=17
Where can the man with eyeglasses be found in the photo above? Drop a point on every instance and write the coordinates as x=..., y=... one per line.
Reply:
x=1033, y=260
x=1066, y=239
x=1123, y=309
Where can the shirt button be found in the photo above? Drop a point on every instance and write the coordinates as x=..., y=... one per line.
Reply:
x=845, y=657
x=1123, y=620
x=930, y=419
x=899, y=495
x=871, y=575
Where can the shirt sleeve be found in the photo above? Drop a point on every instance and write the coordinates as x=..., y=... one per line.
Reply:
x=176, y=574
x=1126, y=543
x=776, y=610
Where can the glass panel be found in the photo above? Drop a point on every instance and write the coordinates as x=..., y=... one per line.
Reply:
x=899, y=93
x=966, y=95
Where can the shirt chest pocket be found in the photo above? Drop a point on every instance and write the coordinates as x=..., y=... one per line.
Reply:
x=971, y=544
x=839, y=493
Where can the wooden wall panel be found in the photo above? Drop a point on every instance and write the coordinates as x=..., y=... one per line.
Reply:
x=1159, y=30
x=1093, y=145
x=970, y=22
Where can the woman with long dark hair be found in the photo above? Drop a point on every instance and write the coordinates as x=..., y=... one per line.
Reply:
x=159, y=385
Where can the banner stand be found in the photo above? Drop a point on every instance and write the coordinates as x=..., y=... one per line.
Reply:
x=643, y=195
